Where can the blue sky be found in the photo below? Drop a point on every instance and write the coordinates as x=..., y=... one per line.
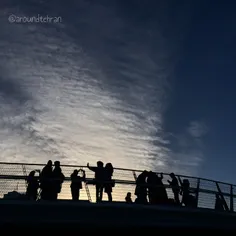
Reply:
x=143, y=85
x=204, y=87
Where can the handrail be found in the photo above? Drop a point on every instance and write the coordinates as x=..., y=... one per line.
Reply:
x=117, y=168
x=128, y=182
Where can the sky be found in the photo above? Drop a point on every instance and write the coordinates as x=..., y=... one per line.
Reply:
x=141, y=84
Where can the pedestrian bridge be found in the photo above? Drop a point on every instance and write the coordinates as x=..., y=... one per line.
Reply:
x=13, y=175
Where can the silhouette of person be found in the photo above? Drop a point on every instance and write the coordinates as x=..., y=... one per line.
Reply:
x=219, y=206
x=187, y=198
x=76, y=184
x=175, y=187
x=141, y=188
x=128, y=198
x=152, y=182
x=33, y=185
x=108, y=183
x=46, y=181
x=58, y=179
x=156, y=189
x=162, y=196
x=99, y=179
x=185, y=192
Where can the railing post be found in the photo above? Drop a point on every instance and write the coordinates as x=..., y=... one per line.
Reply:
x=231, y=198
x=87, y=190
x=135, y=176
x=222, y=197
x=197, y=190
x=25, y=174
x=180, y=181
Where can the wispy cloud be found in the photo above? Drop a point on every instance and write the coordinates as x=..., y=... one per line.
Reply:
x=89, y=92
x=187, y=147
x=197, y=129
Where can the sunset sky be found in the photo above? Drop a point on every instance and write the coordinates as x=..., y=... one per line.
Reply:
x=141, y=84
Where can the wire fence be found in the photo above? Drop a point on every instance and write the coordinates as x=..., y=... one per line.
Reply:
x=13, y=175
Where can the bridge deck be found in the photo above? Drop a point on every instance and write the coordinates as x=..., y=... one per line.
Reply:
x=88, y=216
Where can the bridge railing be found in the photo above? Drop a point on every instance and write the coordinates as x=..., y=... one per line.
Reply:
x=13, y=175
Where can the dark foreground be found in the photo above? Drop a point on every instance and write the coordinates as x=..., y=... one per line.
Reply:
x=66, y=217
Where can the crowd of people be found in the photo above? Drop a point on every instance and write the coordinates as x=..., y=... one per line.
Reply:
x=50, y=180
x=149, y=186
x=150, y=189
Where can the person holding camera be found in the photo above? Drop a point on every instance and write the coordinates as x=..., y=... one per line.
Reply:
x=76, y=183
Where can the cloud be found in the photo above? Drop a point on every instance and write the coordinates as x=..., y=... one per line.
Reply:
x=186, y=148
x=197, y=129
x=89, y=92
x=11, y=90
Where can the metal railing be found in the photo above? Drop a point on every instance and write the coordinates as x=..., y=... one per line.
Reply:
x=13, y=176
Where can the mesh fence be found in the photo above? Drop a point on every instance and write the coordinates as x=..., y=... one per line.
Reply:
x=13, y=179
